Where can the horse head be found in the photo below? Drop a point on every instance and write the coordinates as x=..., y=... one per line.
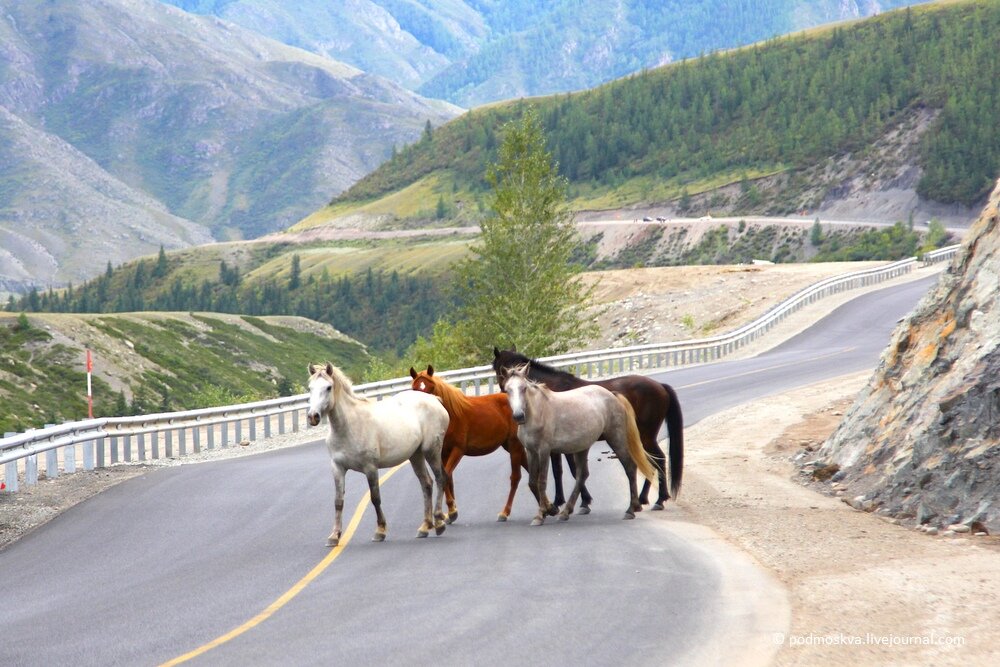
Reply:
x=518, y=388
x=321, y=384
x=424, y=380
x=504, y=360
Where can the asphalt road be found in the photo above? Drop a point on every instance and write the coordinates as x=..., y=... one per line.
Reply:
x=162, y=564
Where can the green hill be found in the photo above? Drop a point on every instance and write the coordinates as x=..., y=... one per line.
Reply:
x=781, y=107
x=152, y=362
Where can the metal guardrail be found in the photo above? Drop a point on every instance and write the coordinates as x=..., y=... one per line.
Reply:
x=107, y=441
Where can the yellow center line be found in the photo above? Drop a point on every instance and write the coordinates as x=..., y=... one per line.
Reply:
x=288, y=595
x=764, y=370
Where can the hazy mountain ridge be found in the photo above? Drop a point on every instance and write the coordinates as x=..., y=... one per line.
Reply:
x=62, y=217
x=238, y=132
x=477, y=51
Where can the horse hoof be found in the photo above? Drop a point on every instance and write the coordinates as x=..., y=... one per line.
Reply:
x=657, y=507
x=501, y=517
x=332, y=541
x=537, y=522
x=423, y=532
x=552, y=510
x=378, y=537
x=563, y=516
x=629, y=516
x=452, y=516
x=439, y=528
x=584, y=510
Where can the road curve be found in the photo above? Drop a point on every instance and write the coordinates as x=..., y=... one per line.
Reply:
x=162, y=564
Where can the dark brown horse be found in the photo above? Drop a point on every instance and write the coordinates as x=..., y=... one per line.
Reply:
x=654, y=403
x=478, y=425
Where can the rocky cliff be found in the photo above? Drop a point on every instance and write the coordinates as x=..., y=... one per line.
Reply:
x=922, y=441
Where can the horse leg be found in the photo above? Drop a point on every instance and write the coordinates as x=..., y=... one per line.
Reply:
x=371, y=472
x=338, y=504
x=582, y=473
x=539, y=472
x=620, y=447
x=556, y=460
x=585, y=505
x=649, y=443
x=454, y=456
x=432, y=455
x=516, y=461
x=419, y=466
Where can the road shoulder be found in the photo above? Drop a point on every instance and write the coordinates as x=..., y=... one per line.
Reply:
x=860, y=588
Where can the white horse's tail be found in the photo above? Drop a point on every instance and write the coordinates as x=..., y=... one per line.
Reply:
x=635, y=449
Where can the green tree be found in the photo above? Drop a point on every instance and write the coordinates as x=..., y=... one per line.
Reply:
x=295, y=274
x=816, y=234
x=161, y=267
x=519, y=285
x=441, y=210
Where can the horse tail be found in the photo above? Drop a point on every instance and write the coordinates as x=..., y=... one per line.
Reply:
x=675, y=431
x=635, y=448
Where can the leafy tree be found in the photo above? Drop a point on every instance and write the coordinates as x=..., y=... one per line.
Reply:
x=519, y=286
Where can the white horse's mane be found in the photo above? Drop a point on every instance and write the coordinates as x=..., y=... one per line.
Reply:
x=342, y=385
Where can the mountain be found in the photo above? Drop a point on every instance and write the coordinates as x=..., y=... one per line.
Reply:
x=476, y=51
x=62, y=217
x=904, y=101
x=920, y=441
x=180, y=119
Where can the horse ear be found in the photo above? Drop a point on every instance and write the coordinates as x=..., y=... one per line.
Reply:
x=513, y=348
x=430, y=369
x=312, y=369
x=496, y=352
x=413, y=373
x=329, y=368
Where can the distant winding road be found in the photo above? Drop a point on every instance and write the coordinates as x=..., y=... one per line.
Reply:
x=161, y=565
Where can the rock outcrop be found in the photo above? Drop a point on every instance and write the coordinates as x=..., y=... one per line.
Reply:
x=922, y=441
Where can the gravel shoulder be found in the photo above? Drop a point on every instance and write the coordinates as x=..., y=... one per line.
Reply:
x=862, y=590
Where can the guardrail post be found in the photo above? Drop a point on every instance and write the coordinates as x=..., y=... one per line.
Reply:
x=196, y=436
x=140, y=446
x=127, y=449
x=211, y=436
x=239, y=431
x=10, y=471
x=169, y=443
x=281, y=423
x=155, y=440
x=181, y=442
x=88, y=455
x=225, y=435
x=490, y=382
x=295, y=421
x=267, y=426
x=114, y=449
x=31, y=470
x=252, y=423
x=51, y=460
x=100, y=452
x=69, y=458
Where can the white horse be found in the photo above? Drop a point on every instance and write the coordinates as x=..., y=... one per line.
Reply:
x=569, y=422
x=367, y=435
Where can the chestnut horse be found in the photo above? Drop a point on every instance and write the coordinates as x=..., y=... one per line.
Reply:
x=478, y=425
x=653, y=402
